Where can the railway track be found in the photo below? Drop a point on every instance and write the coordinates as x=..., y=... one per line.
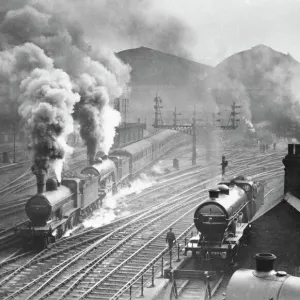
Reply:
x=41, y=288
x=155, y=216
x=27, y=180
x=154, y=204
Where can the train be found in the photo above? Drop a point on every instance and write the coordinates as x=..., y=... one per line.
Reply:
x=263, y=282
x=58, y=207
x=223, y=220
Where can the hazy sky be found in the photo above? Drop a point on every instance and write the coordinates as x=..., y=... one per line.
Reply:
x=222, y=27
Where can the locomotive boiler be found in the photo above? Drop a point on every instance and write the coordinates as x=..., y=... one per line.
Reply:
x=263, y=282
x=59, y=207
x=223, y=220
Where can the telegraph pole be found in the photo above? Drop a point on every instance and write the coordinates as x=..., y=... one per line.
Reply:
x=157, y=107
x=125, y=108
x=234, y=113
x=175, y=114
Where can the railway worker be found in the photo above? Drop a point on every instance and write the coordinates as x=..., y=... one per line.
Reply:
x=170, y=239
x=274, y=145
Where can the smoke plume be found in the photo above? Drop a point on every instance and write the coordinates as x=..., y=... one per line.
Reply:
x=47, y=102
x=48, y=95
x=266, y=84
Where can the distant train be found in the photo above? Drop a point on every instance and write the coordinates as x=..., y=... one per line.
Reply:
x=263, y=283
x=223, y=220
x=62, y=206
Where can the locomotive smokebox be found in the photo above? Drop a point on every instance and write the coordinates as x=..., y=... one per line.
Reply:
x=264, y=262
x=40, y=181
x=214, y=194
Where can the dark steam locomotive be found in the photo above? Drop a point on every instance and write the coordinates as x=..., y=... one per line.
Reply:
x=263, y=283
x=59, y=207
x=223, y=220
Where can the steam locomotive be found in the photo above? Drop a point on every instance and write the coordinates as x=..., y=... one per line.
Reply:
x=223, y=220
x=263, y=283
x=60, y=207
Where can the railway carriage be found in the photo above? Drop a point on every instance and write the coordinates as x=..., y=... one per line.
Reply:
x=223, y=221
x=163, y=142
x=139, y=154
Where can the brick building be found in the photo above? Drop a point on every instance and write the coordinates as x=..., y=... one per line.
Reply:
x=128, y=133
x=276, y=226
x=276, y=229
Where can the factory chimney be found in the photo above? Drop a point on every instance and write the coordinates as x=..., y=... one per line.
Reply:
x=292, y=170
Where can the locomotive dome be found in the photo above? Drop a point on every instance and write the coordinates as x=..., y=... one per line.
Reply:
x=51, y=184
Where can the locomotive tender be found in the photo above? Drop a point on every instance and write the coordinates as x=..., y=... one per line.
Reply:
x=223, y=220
x=263, y=283
x=61, y=206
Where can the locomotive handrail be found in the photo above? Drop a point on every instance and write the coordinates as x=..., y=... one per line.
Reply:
x=238, y=211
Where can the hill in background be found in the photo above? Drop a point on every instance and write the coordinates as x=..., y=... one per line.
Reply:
x=264, y=81
x=176, y=80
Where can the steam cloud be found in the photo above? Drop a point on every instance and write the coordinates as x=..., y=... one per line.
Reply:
x=266, y=84
x=50, y=66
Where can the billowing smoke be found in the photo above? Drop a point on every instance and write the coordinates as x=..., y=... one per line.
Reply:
x=96, y=75
x=248, y=124
x=44, y=98
x=265, y=83
x=47, y=102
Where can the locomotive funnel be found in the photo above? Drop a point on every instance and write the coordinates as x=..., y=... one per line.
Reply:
x=291, y=149
x=213, y=194
x=264, y=262
x=40, y=181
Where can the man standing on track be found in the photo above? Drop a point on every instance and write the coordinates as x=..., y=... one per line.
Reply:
x=170, y=239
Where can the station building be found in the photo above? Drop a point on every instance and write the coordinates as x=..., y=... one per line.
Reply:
x=276, y=226
x=127, y=133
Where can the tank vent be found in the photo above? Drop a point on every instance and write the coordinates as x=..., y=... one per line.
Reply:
x=51, y=185
x=264, y=262
x=213, y=194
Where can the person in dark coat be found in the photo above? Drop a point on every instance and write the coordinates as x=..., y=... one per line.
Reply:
x=170, y=239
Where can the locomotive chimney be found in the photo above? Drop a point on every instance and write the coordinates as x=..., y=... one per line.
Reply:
x=291, y=149
x=292, y=170
x=213, y=194
x=297, y=149
x=40, y=181
x=264, y=262
x=91, y=160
